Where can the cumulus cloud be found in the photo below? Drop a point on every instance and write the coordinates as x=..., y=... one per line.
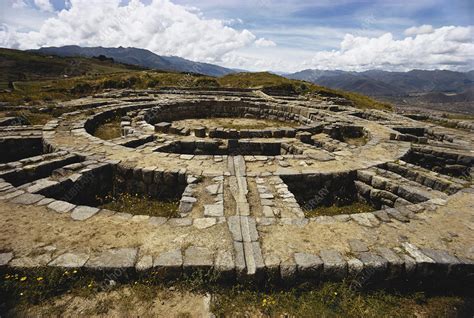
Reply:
x=17, y=4
x=448, y=47
x=264, y=43
x=44, y=5
x=160, y=26
x=423, y=29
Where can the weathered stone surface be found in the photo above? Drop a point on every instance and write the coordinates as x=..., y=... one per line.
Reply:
x=198, y=257
x=214, y=210
x=357, y=246
x=224, y=264
x=335, y=267
x=204, y=223
x=31, y=261
x=157, y=220
x=180, y=222
x=70, y=260
x=45, y=201
x=395, y=263
x=11, y=195
x=233, y=223
x=114, y=258
x=308, y=265
x=354, y=267
x=272, y=267
x=82, y=213
x=61, y=206
x=169, y=264
x=288, y=271
x=374, y=265
x=27, y=198
x=239, y=258
x=144, y=263
x=5, y=258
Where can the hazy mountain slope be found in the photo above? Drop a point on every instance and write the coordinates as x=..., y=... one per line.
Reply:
x=382, y=83
x=141, y=57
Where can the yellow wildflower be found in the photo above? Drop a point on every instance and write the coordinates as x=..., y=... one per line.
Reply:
x=23, y=278
x=39, y=279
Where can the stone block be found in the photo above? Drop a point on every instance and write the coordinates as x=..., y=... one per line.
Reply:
x=197, y=258
x=5, y=258
x=61, y=206
x=82, y=213
x=168, y=265
x=162, y=127
x=114, y=258
x=27, y=198
x=335, y=267
x=308, y=265
x=70, y=260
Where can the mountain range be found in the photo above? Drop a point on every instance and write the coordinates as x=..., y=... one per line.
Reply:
x=434, y=86
x=438, y=86
x=139, y=57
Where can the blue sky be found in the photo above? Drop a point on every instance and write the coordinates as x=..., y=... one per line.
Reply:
x=261, y=34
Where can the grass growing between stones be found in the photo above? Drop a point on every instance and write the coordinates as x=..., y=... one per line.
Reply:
x=109, y=130
x=356, y=207
x=140, y=205
x=60, y=292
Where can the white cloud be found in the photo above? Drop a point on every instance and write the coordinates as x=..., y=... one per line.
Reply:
x=445, y=48
x=423, y=29
x=17, y=4
x=161, y=26
x=44, y=5
x=169, y=29
x=5, y=37
x=264, y=43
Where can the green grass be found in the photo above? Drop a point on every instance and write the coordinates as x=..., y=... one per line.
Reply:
x=140, y=205
x=333, y=300
x=19, y=290
x=356, y=207
x=27, y=66
x=266, y=80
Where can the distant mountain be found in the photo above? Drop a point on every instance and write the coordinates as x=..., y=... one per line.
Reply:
x=140, y=57
x=434, y=84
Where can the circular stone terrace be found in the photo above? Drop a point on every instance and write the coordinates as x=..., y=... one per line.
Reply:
x=256, y=188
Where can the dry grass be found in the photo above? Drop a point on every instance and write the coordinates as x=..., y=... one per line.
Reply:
x=356, y=207
x=140, y=205
x=109, y=130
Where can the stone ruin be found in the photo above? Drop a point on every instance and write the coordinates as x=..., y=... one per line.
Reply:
x=242, y=193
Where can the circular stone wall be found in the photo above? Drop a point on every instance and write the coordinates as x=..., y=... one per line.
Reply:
x=274, y=201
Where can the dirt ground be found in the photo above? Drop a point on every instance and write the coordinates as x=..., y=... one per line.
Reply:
x=124, y=302
x=449, y=228
x=233, y=123
x=41, y=228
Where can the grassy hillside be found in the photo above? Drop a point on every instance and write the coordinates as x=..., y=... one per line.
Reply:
x=268, y=80
x=18, y=65
x=37, y=79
